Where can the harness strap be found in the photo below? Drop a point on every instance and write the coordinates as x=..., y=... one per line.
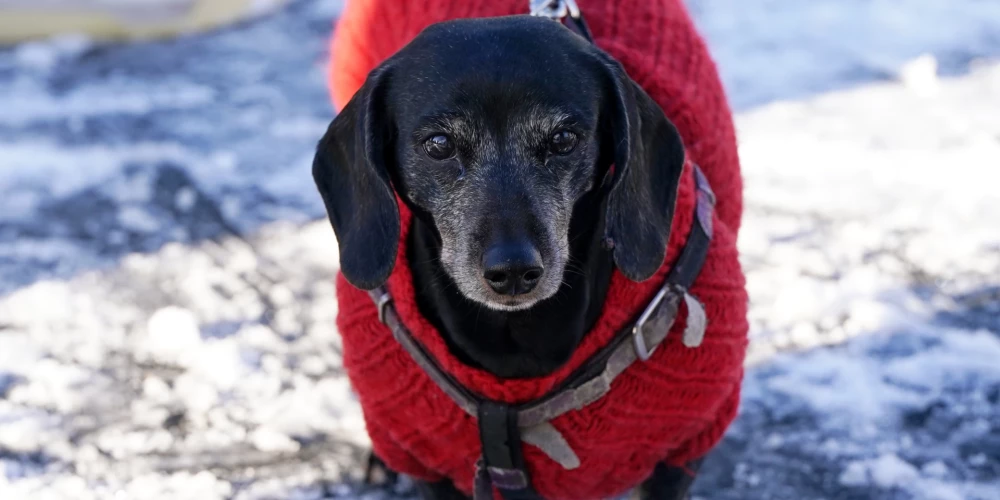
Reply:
x=503, y=463
x=503, y=427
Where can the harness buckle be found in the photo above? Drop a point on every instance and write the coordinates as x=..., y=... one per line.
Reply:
x=638, y=340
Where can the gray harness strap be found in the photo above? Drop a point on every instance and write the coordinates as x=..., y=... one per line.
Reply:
x=662, y=313
x=534, y=418
x=592, y=381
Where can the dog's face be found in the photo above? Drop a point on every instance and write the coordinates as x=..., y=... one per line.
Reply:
x=494, y=129
x=497, y=149
x=498, y=167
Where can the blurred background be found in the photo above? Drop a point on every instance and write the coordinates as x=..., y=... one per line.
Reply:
x=166, y=273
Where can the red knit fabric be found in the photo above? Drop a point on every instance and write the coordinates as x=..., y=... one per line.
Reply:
x=674, y=407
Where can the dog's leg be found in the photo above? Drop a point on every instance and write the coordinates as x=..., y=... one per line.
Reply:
x=441, y=490
x=377, y=472
x=669, y=483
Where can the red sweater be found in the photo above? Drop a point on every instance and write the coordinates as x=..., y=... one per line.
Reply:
x=674, y=407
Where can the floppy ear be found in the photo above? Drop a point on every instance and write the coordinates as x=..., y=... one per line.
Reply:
x=648, y=160
x=352, y=176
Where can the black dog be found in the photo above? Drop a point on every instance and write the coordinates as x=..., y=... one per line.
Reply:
x=499, y=134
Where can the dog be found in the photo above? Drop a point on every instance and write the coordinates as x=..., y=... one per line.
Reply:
x=508, y=180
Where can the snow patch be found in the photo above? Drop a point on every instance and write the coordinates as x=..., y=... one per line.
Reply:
x=23, y=103
x=171, y=333
x=889, y=471
x=45, y=55
x=269, y=440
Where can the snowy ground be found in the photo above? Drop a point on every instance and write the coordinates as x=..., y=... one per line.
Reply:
x=166, y=302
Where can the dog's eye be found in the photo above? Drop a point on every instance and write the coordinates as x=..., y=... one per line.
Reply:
x=439, y=147
x=562, y=142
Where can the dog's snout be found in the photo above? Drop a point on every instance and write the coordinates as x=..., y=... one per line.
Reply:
x=512, y=268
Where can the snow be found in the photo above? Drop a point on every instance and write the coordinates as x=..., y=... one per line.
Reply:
x=890, y=472
x=43, y=56
x=166, y=297
x=782, y=49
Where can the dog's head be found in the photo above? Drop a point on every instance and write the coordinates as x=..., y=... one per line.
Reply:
x=493, y=130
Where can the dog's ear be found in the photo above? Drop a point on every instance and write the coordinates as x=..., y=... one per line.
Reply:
x=352, y=176
x=648, y=157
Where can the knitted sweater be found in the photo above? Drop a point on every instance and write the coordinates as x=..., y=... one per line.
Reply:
x=674, y=407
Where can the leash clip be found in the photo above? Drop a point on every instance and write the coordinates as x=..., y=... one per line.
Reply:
x=556, y=10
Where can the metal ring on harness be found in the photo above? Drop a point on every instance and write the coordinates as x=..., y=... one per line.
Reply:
x=638, y=340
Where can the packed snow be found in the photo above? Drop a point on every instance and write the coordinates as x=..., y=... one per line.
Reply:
x=167, y=304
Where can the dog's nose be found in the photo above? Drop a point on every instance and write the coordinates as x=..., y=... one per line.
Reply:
x=512, y=268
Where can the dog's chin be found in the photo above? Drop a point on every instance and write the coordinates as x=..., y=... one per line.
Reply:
x=506, y=303
x=482, y=294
